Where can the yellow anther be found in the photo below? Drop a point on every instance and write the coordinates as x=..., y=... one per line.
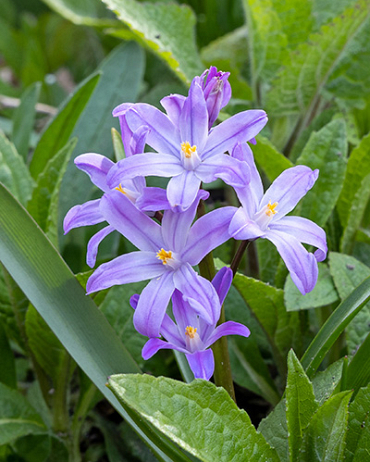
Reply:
x=191, y=331
x=187, y=149
x=271, y=208
x=119, y=188
x=164, y=255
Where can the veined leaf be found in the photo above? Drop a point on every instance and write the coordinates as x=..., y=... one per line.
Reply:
x=187, y=413
x=307, y=70
x=165, y=28
x=326, y=150
x=348, y=273
x=326, y=10
x=274, y=429
x=358, y=373
x=269, y=158
x=325, y=382
x=58, y=131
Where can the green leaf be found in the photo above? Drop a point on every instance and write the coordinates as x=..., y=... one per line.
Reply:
x=13, y=171
x=119, y=151
x=355, y=193
x=83, y=330
x=334, y=326
x=358, y=437
x=43, y=205
x=325, y=382
x=58, y=131
x=323, y=294
x=165, y=28
x=358, y=373
x=299, y=85
x=301, y=404
x=7, y=370
x=326, y=10
x=187, y=413
x=274, y=429
x=17, y=417
x=23, y=119
x=269, y=158
x=348, y=273
x=326, y=150
x=324, y=438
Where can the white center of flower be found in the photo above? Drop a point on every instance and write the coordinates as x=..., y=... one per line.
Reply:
x=265, y=215
x=168, y=258
x=132, y=195
x=189, y=156
x=192, y=339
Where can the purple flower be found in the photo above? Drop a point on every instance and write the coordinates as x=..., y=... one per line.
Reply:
x=187, y=152
x=167, y=254
x=190, y=334
x=264, y=215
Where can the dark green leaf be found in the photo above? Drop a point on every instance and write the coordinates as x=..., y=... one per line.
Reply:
x=187, y=413
x=358, y=374
x=274, y=429
x=7, y=369
x=325, y=382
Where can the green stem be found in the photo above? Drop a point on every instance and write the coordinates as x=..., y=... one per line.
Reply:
x=222, y=375
x=60, y=405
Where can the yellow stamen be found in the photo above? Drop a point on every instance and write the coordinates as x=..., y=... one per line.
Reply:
x=164, y=255
x=190, y=331
x=271, y=208
x=187, y=149
x=119, y=188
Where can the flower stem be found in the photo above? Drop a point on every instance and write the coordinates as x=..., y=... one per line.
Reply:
x=222, y=375
x=238, y=256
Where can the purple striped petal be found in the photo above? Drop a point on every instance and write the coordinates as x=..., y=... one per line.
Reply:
x=237, y=129
x=173, y=105
x=131, y=267
x=97, y=167
x=288, y=189
x=202, y=364
x=121, y=109
x=207, y=233
x=230, y=170
x=184, y=315
x=153, y=303
x=143, y=165
x=222, y=282
x=170, y=331
x=301, y=264
x=227, y=328
x=83, y=215
x=242, y=228
x=182, y=190
x=137, y=227
x=153, y=199
x=153, y=345
x=138, y=140
x=198, y=292
x=92, y=246
x=306, y=231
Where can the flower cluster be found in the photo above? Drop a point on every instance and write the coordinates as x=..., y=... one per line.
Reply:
x=190, y=150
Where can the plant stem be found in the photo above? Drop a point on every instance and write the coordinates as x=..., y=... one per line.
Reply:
x=222, y=374
x=238, y=256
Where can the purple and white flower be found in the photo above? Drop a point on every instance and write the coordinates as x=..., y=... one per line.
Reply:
x=264, y=215
x=189, y=333
x=166, y=256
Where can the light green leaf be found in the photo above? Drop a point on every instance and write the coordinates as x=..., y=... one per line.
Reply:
x=325, y=382
x=269, y=158
x=326, y=150
x=7, y=369
x=324, y=438
x=13, y=171
x=306, y=71
x=17, y=417
x=50, y=286
x=43, y=205
x=165, y=28
x=301, y=404
x=58, y=131
x=187, y=413
x=274, y=429
x=23, y=119
x=358, y=437
x=119, y=151
x=326, y=10
x=348, y=273
x=323, y=294
x=355, y=193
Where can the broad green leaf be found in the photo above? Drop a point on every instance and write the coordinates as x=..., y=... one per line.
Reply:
x=269, y=158
x=334, y=326
x=325, y=382
x=326, y=150
x=358, y=373
x=165, y=28
x=324, y=438
x=58, y=131
x=13, y=171
x=358, y=437
x=50, y=286
x=355, y=193
x=274, y=429
x=17, y=417
x=23, y=119
x=7, y=369
x=323, y=294
x=188, y=413
x=268, y=260
x=301, y=404
x=326, y=10
x=43, y=205
x=348, y=273
x=299, y=85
